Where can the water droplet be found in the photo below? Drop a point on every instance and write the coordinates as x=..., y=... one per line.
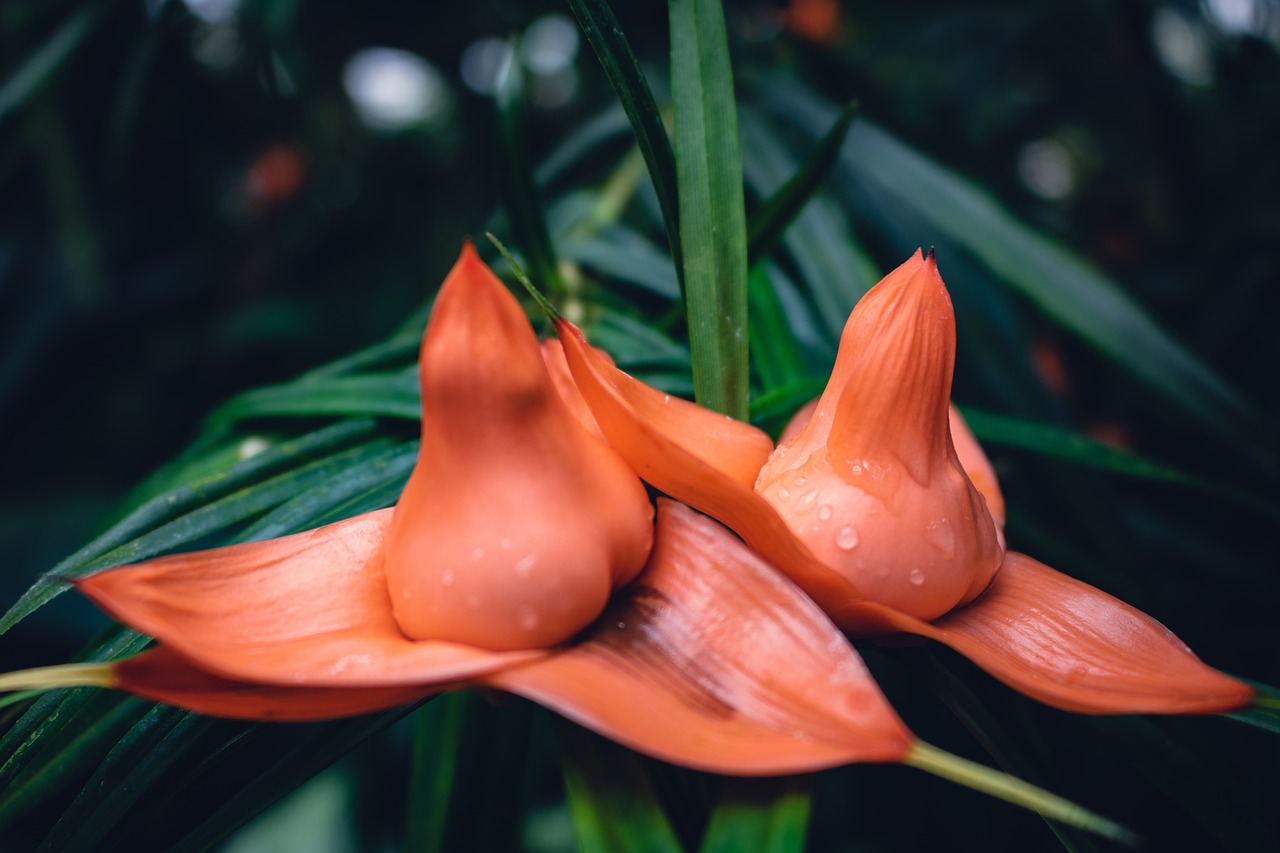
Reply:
x=1077, y=672
x=477, y=554
x=800, y=481
x=446, y=577
x=784, y=493
x=504, y=543
x=525, y=565
x=824, y=512
x=666, y=398
x=528, y=618
x=942, y=536
x=620, y=625
x=807, y=501
x=846, y=538
x=916, y=577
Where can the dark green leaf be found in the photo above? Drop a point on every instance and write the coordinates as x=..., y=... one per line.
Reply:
x=524, y=207
x=610, y=795
x=606, y=38
x=41, y=65
x=436, y=740
x=1062, y=443
x=771, y=219
x=386, y=394
x=137, y=762
x=763, y=815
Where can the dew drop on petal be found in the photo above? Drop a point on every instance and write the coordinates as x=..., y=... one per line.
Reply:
x=942, y=536
x=824, y=512
x=525, y=564
x=784, y=494
x=916, y=577
x=807, y=501
x=528, y=618
x=846, y=538
x=446, y=577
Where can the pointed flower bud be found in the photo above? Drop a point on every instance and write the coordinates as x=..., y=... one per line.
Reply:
x=517, y=523
x=872, y=484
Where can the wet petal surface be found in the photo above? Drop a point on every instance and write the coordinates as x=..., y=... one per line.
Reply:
x=713, y=660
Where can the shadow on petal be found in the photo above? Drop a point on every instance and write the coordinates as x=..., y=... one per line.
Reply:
x=1075, y=647
x=308, y=609
x=163, y=676
x=713, y=660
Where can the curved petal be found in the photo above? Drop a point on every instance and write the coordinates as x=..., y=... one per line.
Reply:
x=976, y=464
x=308, y=609
x=1072, y=646
x=735, y=449
x=713, y=660
x=517, y=523
x=664, y=460
x=162, y=675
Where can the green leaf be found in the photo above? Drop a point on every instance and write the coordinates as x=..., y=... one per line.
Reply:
x=30, y=76
x=833, y=269
x=611, y=797
x=621, y=67
x=142, y=756
x=208, y=519
x=324, y=745
x=63, y=760
x=389, y=468
x=377, y=394
x=763, y=815
x=1065, y=444
x=713, y=232
x=883, y=170
x=524, y=206
x=777, y=356
x=767, y=225
x=620, y=253
x=436, y=741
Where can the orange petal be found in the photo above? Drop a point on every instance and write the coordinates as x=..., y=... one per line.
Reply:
x=659, y=450
x=977, y=466
x=1072, y=646
x=713, y=660
x=163, y=676
x=872, y=484
x=558, y=368
x=735, y=449
x=308, y=609
x=968, y=451
x=517, y=523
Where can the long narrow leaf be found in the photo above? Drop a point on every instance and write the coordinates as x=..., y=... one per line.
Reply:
x=611, y=798
x=392, y=395
x=768, y=223
x=764, y=815
x=713, y=231
x=524, y=207
x=1064, y=286
x=606, y=38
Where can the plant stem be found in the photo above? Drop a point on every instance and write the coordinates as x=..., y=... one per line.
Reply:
x=979, y=777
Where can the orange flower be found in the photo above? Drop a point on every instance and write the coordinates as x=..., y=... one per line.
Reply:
x=881, y=506
x=522, y=555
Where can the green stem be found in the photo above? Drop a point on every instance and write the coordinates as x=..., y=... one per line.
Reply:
x=52, y=677
x=1013, y=790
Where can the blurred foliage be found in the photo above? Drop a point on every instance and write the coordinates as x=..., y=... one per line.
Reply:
x=194, y=207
